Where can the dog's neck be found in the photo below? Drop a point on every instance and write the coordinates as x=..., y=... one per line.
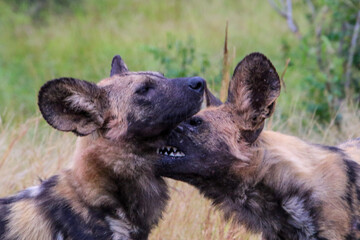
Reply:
x=252, y=201
x=267, y=165
x=278, y=187
x=114, y=177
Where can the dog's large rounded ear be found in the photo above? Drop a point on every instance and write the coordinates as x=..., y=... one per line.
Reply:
x=253, y=91
x=74, y=105
x=211, y=100
x=118, y=66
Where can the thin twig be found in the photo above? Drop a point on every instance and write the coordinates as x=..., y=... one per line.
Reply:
x=277, y=9
x=287, y=14
x=225, y=71
x=318, y=33
x=283, y=74
x=341, y=42
x=351, y=55
x=311, y=8
x=290, y=20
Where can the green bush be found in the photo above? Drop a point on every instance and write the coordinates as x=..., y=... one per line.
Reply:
x=323, y=52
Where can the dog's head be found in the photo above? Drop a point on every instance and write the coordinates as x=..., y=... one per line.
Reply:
x=136, y=108
x=222, y=135
x=127, y=104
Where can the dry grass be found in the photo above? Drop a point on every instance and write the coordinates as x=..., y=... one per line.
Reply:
x=302, y=125
x=28, y=152
x=31, y=151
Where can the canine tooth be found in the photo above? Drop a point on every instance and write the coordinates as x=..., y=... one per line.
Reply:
x=166, y=153
x=168, y=148
x=172, y=154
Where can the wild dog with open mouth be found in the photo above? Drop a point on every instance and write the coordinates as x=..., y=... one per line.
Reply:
x=271, y=183
x=111, y=192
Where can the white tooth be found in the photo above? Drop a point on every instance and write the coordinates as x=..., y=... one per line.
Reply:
x=166, y=153
x=158, y=151
x=174, y=149
x=172, y=154
x=178, y=154
x=182, y=154
x=168, y=148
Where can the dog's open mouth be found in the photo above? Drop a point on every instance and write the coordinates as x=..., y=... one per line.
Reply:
x=170, y=151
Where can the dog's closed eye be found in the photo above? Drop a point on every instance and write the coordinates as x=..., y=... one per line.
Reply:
x=144, y=89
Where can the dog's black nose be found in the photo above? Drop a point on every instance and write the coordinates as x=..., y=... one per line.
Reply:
x=197, y=84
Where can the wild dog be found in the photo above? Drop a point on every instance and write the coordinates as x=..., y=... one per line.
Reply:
x=111, y=192
x=271, y=183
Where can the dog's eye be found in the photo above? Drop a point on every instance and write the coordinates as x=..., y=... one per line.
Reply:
x=143, y=89
x=195, y=121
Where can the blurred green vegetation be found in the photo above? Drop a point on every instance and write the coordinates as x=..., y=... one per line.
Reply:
x=323, y=55
x=45, y=39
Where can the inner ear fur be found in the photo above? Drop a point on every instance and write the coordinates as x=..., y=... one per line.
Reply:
x=69, y=104
x=253, y=91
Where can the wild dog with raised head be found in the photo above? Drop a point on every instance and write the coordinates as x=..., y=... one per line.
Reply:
x=111, y=192
x=269, y=182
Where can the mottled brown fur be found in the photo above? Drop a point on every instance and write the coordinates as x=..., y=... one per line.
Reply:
x=25, y=222
x=269, y=182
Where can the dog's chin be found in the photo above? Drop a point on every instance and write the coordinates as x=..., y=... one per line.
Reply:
x=175, y=167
